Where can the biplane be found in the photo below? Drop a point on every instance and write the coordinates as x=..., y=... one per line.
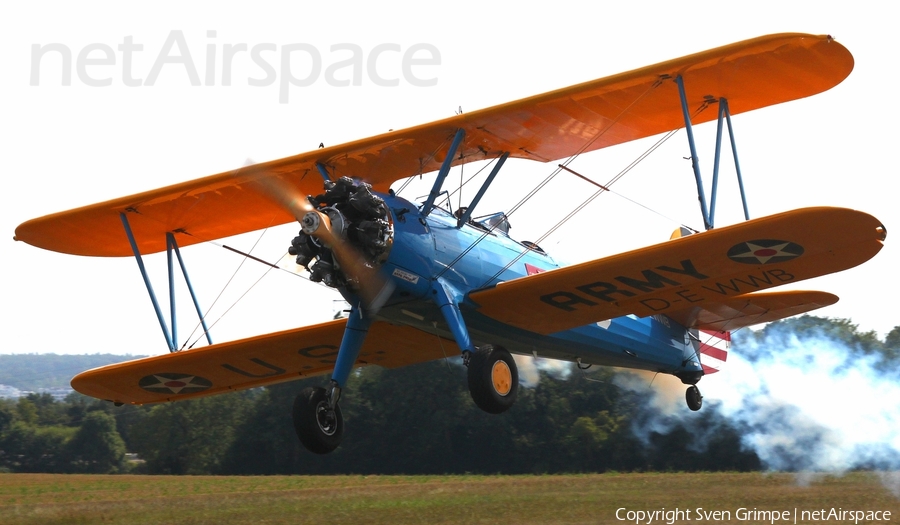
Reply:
x=422, y=280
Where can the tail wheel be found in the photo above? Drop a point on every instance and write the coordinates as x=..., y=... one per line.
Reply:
x=319, y=427
x=493, y=379
x=693, y=398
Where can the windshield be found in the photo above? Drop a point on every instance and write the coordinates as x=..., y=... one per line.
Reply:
x=496, y=222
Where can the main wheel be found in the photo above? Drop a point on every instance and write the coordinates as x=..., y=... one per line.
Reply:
x=693, y=398
x=493, y=379
x=318, y=426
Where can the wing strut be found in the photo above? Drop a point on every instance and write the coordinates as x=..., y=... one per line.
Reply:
x=724, y=114
x=171, y=246
x=323, y=171
x=444, y=171
x=468, y=213
x=449, y=307
x=723, y=110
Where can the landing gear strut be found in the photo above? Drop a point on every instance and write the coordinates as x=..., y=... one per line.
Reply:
x=493, y=379
x=318, y=422
x=693, y=398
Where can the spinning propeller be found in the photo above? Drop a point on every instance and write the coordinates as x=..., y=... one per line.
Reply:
x=372, y=287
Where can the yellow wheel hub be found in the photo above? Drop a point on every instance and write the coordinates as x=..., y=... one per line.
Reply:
x=502, y=377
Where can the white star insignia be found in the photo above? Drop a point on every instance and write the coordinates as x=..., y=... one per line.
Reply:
x=764, y=253
x=174, y=385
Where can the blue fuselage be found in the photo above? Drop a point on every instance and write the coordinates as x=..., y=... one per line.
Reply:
x=433, y=247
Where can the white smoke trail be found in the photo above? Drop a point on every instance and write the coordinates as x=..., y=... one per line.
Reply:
x=663, y=393
x=809, y=404
x=529, y=376
x=530, y=369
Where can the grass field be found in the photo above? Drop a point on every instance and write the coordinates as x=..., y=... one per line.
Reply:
x=127, y=499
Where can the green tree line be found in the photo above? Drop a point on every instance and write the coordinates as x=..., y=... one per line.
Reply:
x=37, y=371
x=414, y=420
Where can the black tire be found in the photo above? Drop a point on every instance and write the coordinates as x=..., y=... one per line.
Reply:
x=319, y=428
x=493, y=379
x=693, y=398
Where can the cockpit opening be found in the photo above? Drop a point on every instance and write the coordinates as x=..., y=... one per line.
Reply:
x=497, y=223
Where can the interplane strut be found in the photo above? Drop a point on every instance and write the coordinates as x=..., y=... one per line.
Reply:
x=724, y=116
x=171, y=248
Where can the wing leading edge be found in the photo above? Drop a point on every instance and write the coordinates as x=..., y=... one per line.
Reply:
x=701, y=280
x=751, y=74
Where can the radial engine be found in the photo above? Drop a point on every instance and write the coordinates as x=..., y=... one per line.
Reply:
x=357, y=215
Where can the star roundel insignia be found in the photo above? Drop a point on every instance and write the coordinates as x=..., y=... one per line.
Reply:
x=172, y=383
x=765, y=251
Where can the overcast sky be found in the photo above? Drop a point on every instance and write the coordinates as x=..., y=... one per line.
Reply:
x=68, y=146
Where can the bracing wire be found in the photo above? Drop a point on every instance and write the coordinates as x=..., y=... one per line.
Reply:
x=221, y=292
x=236, y=301
x=422, y=163
x=592, y=197
x=584, y=204
x=452, y=193
x=553, y=175
x=617, y=194
x=270, y=268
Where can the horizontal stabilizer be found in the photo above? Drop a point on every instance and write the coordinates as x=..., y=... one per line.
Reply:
x=746, y=310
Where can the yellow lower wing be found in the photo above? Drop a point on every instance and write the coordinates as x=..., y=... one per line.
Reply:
x=697, y=271
x=258, y=361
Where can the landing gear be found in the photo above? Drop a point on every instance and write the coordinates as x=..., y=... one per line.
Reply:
x=693, y=398
x=493, y=379
x=318, y=425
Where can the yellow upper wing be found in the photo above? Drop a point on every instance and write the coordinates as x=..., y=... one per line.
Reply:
x=751, y=74
x=257, y=361
x=710, y=271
